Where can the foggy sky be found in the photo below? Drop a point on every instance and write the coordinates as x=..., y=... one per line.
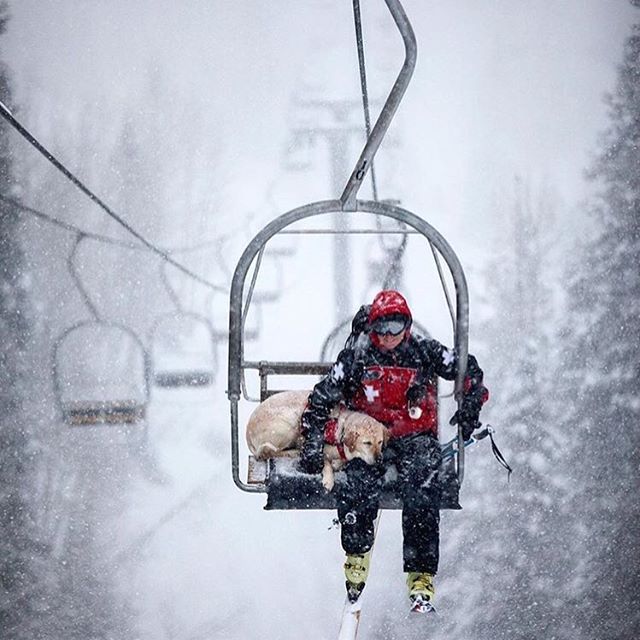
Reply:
x=500, y=88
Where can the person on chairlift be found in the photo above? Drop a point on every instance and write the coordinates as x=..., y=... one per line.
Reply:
x=388, y=372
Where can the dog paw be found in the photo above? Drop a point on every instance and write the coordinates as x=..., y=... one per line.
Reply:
x=328, y=480
x=328, y=484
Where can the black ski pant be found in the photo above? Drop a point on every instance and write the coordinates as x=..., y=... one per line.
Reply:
x=417, y=459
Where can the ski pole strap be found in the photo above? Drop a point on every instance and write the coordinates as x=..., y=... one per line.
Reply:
x=498, y=454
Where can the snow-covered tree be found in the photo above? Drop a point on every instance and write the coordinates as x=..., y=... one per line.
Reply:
x=601, y=371
x=515, y=565
x=22, y=566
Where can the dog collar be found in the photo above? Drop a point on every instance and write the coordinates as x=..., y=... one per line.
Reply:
x=332, y=437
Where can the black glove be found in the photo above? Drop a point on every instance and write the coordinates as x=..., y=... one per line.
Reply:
x=468, y=419
x=415, y=394
x=312, y=453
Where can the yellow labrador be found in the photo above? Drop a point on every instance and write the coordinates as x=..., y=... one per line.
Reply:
x=274, y=430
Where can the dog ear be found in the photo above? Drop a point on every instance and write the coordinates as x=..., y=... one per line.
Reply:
x=350, y=439
x=385, y=436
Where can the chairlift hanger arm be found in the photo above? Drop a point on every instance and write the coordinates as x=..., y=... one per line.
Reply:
x=75, y=276
x=171, y=292
x=348, y=197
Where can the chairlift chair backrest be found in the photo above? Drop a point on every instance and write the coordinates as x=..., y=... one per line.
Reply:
x=174, y=366
x=96, y=389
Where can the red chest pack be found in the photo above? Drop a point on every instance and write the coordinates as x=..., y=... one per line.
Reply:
x=382, y=394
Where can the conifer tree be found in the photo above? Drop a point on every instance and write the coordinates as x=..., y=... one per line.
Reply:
x=514, y=566
x=601, y=371
x=21, y=554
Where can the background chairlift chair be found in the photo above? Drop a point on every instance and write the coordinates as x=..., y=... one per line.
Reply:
x=182, y=345
x=100, y=368
x=287, y=487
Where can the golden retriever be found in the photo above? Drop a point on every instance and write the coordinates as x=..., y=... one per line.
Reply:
x=274, y=430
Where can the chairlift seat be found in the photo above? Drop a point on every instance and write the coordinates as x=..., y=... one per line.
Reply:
x=174, y=379
x=283, y=492
x=176, y=366
x=83, y=412
x=287, y=487
x=117, y=391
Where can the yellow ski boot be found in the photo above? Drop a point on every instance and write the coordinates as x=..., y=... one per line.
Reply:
x=356, y=570
x=421, y=591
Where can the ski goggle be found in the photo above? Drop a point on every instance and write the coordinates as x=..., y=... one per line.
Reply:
x=389, y=326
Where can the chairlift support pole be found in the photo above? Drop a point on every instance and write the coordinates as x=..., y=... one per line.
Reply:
x=337, y=134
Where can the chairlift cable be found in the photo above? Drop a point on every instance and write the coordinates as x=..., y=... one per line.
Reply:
x=66, y=225
x=8, y=116
x=357, y=19
x=106, y=239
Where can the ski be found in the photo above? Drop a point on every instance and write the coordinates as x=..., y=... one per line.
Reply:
x=350, y=620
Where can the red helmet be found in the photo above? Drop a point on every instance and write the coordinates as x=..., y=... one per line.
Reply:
x=389, y=305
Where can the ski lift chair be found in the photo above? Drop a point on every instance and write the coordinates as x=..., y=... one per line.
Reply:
x=182, y=350
x=286, y=486
x=100, y=374
x=182, y=345
x=100, y=368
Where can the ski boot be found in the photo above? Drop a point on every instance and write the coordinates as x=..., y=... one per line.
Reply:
x=421, y=591
x=356, y=570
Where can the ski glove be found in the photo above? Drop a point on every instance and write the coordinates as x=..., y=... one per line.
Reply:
x=416, y=394
x=468, y=419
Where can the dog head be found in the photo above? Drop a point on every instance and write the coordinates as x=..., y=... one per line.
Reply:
x=363, y=437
